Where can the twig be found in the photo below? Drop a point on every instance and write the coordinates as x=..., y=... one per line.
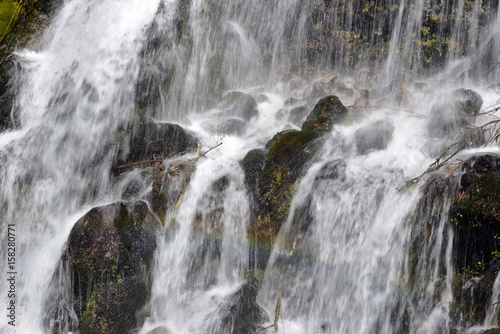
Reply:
x=277, y=315
x=11, y=20
x=391, y=108
x=155, y=161
x=140, y=162
x=212, y=148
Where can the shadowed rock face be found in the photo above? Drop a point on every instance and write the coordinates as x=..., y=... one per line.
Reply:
x=110, y=251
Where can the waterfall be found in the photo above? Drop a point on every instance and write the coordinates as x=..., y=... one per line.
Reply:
x=368, y=239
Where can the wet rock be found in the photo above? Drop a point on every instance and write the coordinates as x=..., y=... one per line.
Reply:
x=291, y=101
x=364, y=94
x=476, y=212
x=298, y=114
x=253, y=164
x=467, y=102
x=271, y=141
x=232, y=126
x=109, y=251
x=324, y=86
x=285, y=162
x=404, y=96
x=241, y=105
x=6, y=95
x=327, y=112
x=342, y=89
x=240, y=313
x=150, y=140
x=169, y=183
x=374, y=137
x=454, y=111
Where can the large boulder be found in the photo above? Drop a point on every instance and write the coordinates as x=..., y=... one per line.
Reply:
x=241, y=105
x=374, y=136
x=284, y=165
x=150, y=140
x=327, y=112
x=109, y=254
x=453, y=111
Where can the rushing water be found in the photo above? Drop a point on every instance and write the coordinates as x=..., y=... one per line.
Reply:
x=347, y=272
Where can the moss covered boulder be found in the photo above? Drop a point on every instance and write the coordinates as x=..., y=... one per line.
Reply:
x=327, y=112
x=110, y=251
x=284, y=165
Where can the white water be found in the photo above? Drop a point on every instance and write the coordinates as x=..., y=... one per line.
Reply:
x=345, y=275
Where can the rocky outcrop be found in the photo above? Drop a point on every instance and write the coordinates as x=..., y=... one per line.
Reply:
x=474, y=218
x=109, y=253
x=289, y=152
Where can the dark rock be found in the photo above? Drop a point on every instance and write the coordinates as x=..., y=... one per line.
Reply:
x=327, y=112
x=284, y=164
x=253, y=164
x=467, y=102
x=208, y=226
x=168, y=185
x=232, y=126
x=453, y=111
x=291, y=101
x=271, y=141
x=6, y=95
x=113, y=306
x=375, y=136
x=364, y=94
x=109, y=250
x=238, y=104
x=324, y=86
x=240, y=313
x=298, y=114
x=150, y=140
x=476, y=212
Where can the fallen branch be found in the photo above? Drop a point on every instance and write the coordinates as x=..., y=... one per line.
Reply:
x=212, y=148
x=162, y=160
x=277, y=315
x=391, y=108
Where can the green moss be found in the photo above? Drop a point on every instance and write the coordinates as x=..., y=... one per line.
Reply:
x=327, y=112
x=7, y=8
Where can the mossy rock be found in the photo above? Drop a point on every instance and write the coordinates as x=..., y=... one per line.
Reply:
x=476, y=212
x=113, y=307
x=327, y=112
x=110, y=251
x=284, y=165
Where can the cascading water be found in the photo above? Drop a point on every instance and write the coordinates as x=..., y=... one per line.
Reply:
x=358, y=253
